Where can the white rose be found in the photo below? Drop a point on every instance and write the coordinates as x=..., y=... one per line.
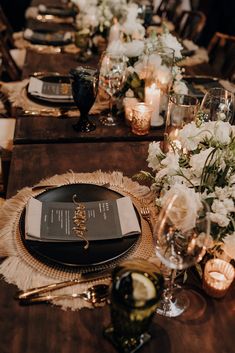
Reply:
x=171, y=163
x=154, y=155
x=134, y=48
x=229, y=245
x=218, y=207
x=169, y=41
x=197, y=161
x=229, y=205
x=185, y=208
x=189, y=136
x=116, y=47
x=219, y=130
x=220, y=219
x=180, y=87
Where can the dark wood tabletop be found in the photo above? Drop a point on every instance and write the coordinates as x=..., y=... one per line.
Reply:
x=43, y=328
x=31, y=163
x=59, y=130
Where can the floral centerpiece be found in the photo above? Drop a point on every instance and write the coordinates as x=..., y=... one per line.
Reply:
x=200, y=166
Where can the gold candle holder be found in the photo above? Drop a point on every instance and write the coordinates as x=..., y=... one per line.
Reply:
x=217, y=278
x=141, y=119
x=129, y=103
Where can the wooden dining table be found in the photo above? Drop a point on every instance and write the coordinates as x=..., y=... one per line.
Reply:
x=45, y=146
x=44, y=328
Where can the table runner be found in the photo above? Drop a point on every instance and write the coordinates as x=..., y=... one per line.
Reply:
x=23, y=270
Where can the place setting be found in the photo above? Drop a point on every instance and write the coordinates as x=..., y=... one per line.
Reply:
x=85, y=250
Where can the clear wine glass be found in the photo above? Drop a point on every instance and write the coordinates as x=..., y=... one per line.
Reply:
x=179, y=244
x=112, y=77
x=217, y=104
x=84, y=82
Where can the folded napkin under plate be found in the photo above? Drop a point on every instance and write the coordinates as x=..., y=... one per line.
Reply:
x=25, y=269
x=111, y=222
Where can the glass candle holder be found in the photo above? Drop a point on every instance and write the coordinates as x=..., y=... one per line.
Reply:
x=129, y=103
x=141, y=119
x=217, y=278
x=182, y=109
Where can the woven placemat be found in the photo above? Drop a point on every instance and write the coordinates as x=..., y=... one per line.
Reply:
x=22, y=269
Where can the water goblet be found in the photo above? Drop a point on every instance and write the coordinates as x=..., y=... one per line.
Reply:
x=112, y=77
x=180, y=242
x=217, y=104
x=84, y=82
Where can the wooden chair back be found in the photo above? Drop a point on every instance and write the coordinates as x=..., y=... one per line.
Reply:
x=168, y=9
x=190, y=24
x=8, y=64
x=8, y=33
x=221, y=50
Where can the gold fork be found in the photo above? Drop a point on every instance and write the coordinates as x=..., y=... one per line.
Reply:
x=146, y=214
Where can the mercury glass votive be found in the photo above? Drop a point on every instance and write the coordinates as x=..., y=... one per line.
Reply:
x=217, y=278
x=129, y=103
x=141, y=119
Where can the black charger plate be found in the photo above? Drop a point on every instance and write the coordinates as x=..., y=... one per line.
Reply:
x=73, y=254
x=52, y=78
x=207, y=82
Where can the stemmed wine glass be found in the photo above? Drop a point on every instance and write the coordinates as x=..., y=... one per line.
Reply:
x=179, y=244
x=84, y=81
x=112, y=77
x=217, y=104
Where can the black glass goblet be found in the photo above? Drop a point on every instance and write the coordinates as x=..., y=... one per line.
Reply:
x=84, y=81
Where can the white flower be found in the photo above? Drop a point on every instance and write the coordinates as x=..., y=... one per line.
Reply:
x=229, y=205
x=229, y=245
x=171, y=164
x=189, y=136
x=134, y=48
x=185, y=208
x=170, y=41
x=116, y=47
x=155, y=154
x=219, y=130
x=197, y=161
x=220, y=219
x=180, y=87
x=218, y=207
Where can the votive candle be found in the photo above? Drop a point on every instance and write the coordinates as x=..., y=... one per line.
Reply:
x=217, y=278
x=129, y=103
x=140, y=123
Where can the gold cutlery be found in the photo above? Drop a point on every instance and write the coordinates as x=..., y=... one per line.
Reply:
x=96, y=295
x=86, y=277
x=146, y=215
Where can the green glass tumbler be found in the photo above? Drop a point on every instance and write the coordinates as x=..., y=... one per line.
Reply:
x=136, y=290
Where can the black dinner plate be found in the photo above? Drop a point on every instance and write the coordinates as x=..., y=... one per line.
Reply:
x=57, y=11
x=73, y=254
x=49, y=38
x=53, y=78
x=195, y=84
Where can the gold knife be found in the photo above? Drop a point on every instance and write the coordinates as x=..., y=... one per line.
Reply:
x=86, y=277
